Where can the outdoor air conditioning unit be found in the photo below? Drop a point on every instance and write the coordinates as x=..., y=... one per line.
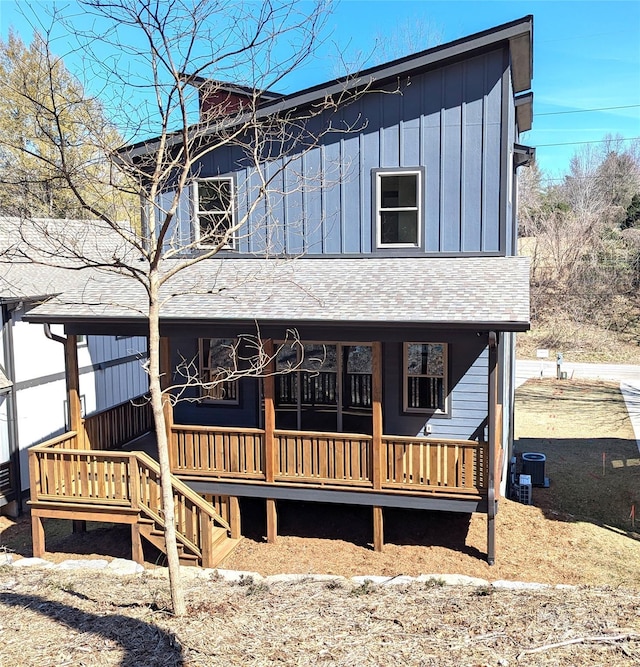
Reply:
x=533, y=465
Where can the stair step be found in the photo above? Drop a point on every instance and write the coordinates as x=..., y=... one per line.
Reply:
x=222, y=550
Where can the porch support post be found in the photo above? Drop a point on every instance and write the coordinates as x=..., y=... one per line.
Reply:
x=378, y=529
x=73, y=390
x=491, y=429
x=376, y=396
x=165, y=383
x=137, y=553
x=37, y=535
x=234, y=517
x=269, y=413
x=272, y=521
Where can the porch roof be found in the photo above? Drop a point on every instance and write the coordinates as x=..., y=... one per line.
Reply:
x=455, y=291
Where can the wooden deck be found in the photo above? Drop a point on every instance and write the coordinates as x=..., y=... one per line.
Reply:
x=75, y=476
x=84, y=475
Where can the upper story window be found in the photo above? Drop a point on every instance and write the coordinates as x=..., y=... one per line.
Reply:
x=425, y=377
x=398, y=208
x=214, y=212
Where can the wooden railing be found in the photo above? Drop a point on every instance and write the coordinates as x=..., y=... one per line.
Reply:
x=195, y=517
x=339, y=459
x=423, y=463
x=89, y=479
x=219, y=452
x=335, y=458
x=115, y=426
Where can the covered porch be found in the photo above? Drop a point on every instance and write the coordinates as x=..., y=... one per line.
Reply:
x=99, y=470
x=428, y=436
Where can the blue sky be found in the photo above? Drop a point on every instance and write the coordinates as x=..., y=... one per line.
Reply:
x=586, y=57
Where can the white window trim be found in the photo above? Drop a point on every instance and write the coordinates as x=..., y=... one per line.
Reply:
x=231, y=243
x=405, y=377
x=418, y=173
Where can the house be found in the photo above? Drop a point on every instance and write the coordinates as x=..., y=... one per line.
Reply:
x=386, y=295
x=33, y=395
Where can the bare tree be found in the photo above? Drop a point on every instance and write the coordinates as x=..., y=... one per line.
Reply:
x=165, y=57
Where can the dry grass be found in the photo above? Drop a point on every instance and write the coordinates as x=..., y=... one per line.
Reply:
x=580, y=342
x=592, y=456
x=61, y=618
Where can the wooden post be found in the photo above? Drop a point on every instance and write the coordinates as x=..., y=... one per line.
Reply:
x=234, y=517
x=491, y=434
x=272, y=521
x=207, y=539
x=79, y=526
x=137, y=553
x=73, y=391
x=37, y=535
x=378, y=529
x=376, y=395
x=269, y=414
x=165, y=382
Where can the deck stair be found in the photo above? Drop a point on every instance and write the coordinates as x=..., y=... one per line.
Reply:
x=122, y=487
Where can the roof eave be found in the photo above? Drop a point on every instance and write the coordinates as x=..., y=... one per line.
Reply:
x=518, y=34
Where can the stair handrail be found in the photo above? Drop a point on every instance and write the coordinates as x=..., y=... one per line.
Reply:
x=183, y=489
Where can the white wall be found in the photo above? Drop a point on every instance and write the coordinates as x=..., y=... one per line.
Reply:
x=39, y=362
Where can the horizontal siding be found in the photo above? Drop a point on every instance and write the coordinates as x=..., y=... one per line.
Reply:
x=468, y=401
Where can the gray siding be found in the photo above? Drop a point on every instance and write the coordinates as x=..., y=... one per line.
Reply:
x=468, y=360
x=448, y=120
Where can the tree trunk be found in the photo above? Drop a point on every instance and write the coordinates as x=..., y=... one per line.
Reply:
x=157, y=398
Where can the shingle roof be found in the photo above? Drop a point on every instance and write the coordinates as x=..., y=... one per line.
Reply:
x=40, y=257
x=437, y=291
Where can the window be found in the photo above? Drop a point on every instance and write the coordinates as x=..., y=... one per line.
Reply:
x=214, y=212
x=81, y=340
x=324, y=386
x=425, y=377
x=217, y=361
x=398, y=209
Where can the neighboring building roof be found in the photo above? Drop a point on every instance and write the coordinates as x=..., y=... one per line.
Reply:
x=518, y=34
x=41, y=257
x=458, y=292
x=5, y=383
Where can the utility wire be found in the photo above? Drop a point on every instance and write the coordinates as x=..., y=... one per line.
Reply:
x=580, y=143
x=558, y=113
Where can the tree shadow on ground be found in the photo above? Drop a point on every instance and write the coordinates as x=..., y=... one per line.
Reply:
x=143, y=643
x=590, y=480
x=354, y=524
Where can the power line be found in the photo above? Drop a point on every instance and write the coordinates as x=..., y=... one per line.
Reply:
x=580, y=143
x=558, y=113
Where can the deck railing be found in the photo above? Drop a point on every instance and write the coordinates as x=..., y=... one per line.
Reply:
x=221, y=452
x=339, y=459
x=422, y=463
x=323, y=458
x=115, y=426
x=62, y=475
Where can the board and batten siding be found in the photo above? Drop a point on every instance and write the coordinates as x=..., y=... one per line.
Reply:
x=448, y=121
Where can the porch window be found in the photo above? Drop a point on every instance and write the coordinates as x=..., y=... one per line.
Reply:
x=398, y=208
x=324, y=386
x=214, y=212
x=217, y=363
x=425, y=377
